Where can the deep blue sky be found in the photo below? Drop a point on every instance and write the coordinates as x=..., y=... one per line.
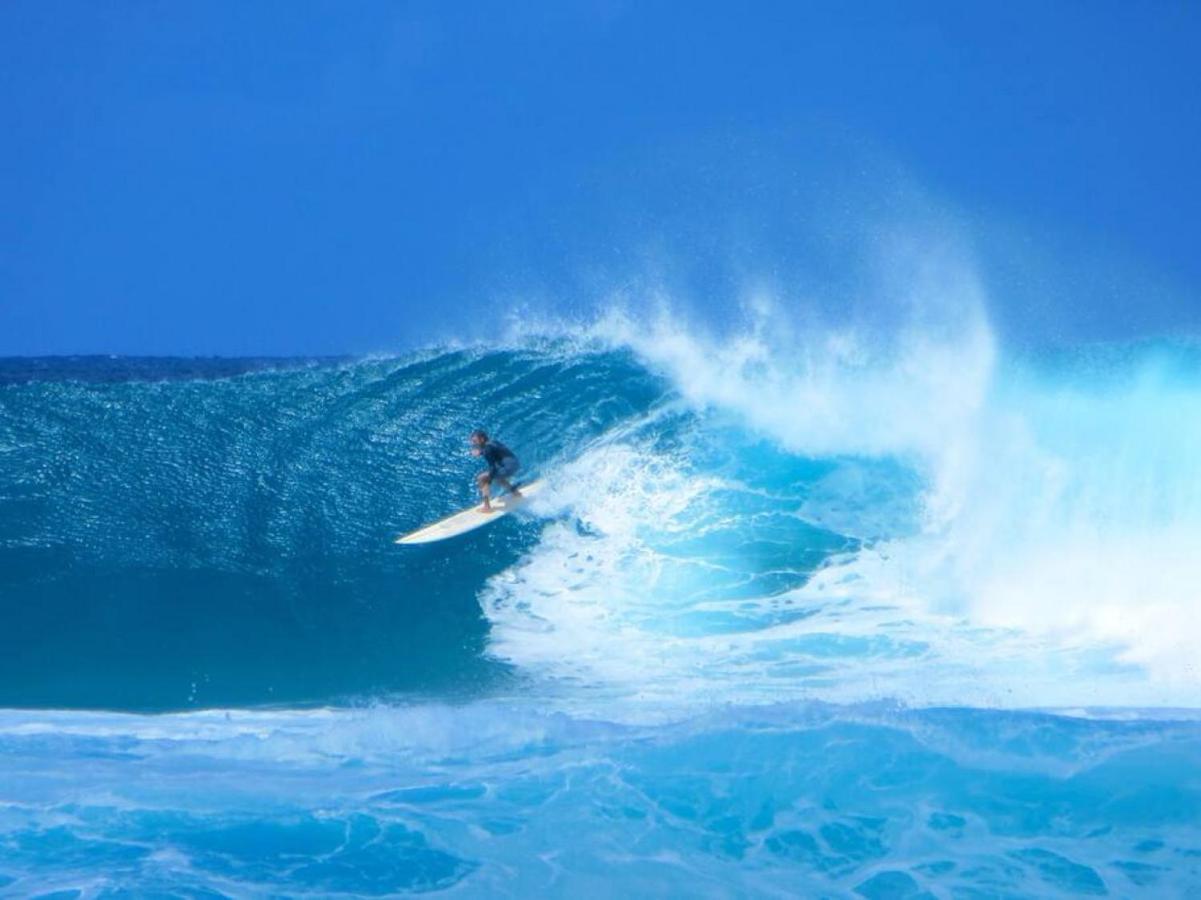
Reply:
x=254, y=177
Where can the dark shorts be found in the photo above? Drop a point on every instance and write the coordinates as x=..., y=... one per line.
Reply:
x=506, y=468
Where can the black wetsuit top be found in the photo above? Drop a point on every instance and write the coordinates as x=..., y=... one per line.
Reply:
x=495, y=453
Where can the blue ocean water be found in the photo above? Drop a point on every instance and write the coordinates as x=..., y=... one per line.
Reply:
x=793, y=617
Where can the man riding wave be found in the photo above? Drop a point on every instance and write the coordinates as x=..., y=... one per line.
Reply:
x=502, y=466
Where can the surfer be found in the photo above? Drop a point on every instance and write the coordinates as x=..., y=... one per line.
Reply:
x=502, y=465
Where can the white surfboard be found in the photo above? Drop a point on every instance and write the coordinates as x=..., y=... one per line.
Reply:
x=470, y=519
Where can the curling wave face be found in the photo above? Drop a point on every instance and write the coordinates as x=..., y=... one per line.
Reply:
x=745, y=521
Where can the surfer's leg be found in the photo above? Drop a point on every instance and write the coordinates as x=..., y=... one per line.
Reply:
x=507, y=470
x=484, y=481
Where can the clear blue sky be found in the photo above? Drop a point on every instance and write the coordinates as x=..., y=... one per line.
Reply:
x=325, y=177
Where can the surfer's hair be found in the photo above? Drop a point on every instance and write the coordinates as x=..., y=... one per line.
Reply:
x=480, y=433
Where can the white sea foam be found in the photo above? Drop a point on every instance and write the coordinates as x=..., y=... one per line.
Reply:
x=1053, y=562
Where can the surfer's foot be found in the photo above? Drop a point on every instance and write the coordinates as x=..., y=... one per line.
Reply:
x=486, y=509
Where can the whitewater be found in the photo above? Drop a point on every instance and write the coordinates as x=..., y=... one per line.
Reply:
x=873, y=608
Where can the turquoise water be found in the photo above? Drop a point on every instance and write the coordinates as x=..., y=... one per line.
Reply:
x=780, y=624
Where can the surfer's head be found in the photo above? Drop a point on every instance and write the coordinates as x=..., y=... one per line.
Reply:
x=479, y=437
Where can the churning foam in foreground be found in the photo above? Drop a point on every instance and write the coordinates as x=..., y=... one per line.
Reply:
x=486, y=800
x=986, y=530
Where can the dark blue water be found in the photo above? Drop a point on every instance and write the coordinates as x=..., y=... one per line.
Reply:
x=225, y=540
